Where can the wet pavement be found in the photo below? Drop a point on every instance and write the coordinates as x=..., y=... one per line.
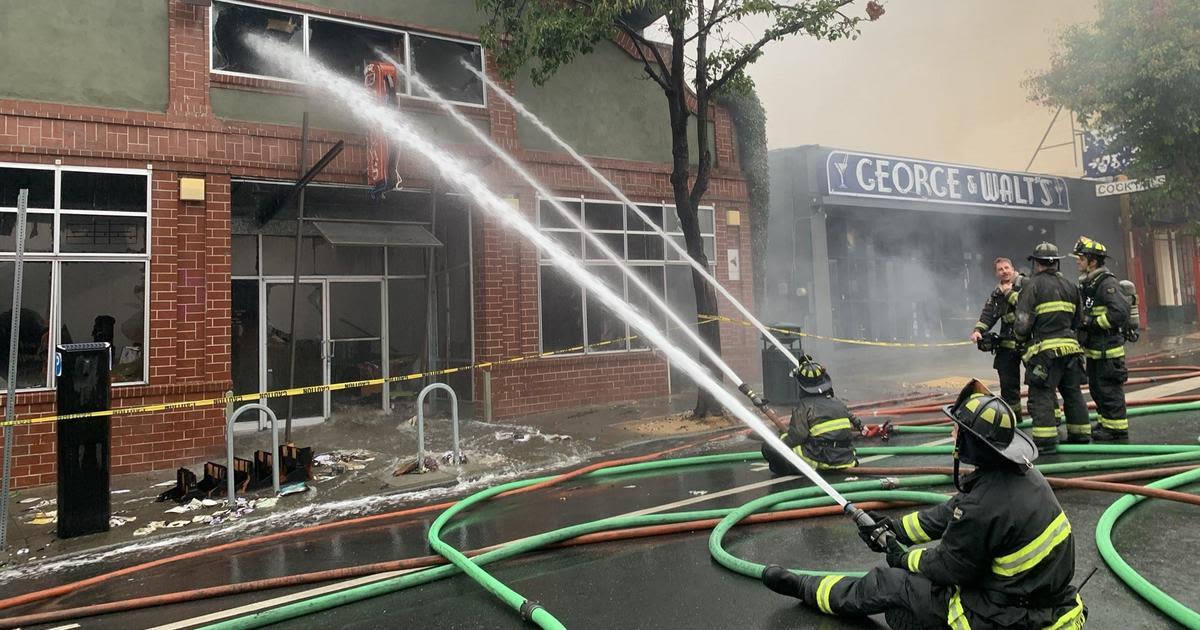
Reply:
x=663, y=582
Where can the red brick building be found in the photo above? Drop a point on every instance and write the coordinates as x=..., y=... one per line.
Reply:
x=195, y=294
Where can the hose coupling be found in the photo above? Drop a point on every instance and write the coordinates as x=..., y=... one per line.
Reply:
x=755, y=399
x=528, y=607
x=889, y=483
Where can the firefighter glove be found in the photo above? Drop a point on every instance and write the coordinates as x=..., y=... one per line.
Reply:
x=876, y=535
x=896, y=553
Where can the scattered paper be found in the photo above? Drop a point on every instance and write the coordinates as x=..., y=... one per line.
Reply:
x=294, y=488
x=175, y=524
x=267, y=503
x=697, y=493
x=163, y=484
x=210, y=502
x=120, y=491
x=29, y=500
x=117, y=521
x=628, y=486
x=202, y=518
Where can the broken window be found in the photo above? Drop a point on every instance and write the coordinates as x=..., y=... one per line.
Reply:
x=562, y=310
x=440, y=63
x=232, y=23
x=347, y=48
x=106, y=301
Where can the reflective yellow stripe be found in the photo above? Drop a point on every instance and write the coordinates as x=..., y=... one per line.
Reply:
x=799, y=451
x=1008, y=343
x=823, y=589
x=1111, y=353
x=836, y=424
x=1099, y=310
x=981, y=327
x=1058, y=306
x=1045, y=432
x=1071, y=620
x=913, y=560
x=956, y=617
x=1102, y=321
x=1061, y=346
x=1079, y=429
x=1009, y=317
x=1013, y=296
x=1037, y=550
x=913, y=529
x=1115, y=424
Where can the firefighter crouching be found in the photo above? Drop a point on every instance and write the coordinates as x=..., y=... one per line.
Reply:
x=1000, y=307
x=1006, y=555
x=1106, y=313
x=822, y=427
x=1048, y=315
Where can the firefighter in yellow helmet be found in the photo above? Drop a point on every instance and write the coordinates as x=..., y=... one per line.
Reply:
x=1105, y=314
x=822, y=427
x=1005, y=556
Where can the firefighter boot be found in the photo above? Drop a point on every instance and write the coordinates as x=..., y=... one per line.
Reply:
x=785, y=582
x=1102, y=433
x=1046, y=446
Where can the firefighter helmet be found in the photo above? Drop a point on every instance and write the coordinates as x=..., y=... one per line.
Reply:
x=1045, y=251
x=981, y=414
x=812, y=376
x=1087, y=247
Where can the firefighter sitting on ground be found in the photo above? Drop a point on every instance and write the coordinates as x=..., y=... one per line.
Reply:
x=821, y=428
x=1006, y=555
x=1106, y=313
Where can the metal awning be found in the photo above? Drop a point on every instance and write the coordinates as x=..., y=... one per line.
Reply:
x=388, y=234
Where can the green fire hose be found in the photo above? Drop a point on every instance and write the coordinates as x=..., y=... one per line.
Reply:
x=1160, y=600
x=803, y=497
x=1132, y=412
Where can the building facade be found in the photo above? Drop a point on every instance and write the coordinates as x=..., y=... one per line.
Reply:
x=114, y=115
x=890, y=248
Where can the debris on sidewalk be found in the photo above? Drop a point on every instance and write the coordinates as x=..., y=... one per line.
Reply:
x=118, y=520
x=409, y=466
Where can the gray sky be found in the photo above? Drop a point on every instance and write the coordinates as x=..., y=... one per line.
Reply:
x=934, y=79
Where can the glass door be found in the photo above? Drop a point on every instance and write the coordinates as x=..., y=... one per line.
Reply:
x=310, y=346
x=355, y=343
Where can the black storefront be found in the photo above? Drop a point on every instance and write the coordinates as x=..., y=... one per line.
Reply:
x=888, y=248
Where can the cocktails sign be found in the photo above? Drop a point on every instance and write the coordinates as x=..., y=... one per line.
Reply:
x=887, y=177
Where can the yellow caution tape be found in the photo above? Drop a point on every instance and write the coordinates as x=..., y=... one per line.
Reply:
x=857, y=342
x=333, y=387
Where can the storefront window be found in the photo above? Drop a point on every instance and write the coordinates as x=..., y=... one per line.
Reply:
x=97, y=257
x=572, y=318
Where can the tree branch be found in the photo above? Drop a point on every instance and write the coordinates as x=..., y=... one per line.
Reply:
x=640, y=43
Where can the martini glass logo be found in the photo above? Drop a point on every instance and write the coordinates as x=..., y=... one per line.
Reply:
x=841, y=165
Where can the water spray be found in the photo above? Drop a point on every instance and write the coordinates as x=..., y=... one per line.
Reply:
x=679, y=249
x=418, y=82
x=364, y=106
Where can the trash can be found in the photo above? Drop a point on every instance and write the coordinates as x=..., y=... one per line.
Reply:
x=84, y=505
x=779, y=387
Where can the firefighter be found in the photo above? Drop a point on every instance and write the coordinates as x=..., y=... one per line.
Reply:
x=822, y=427
x=1006, y=554
x=1106, y=312
x=1047, y=317
x=1000, y=308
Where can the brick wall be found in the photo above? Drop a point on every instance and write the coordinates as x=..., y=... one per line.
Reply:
x=189, y=345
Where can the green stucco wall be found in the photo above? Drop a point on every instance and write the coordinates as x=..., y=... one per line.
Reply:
x=604, y=105
x=455, y=15
x=233, y=104
x=107, y=53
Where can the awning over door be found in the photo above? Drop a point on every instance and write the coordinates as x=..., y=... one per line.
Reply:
x=387, y=234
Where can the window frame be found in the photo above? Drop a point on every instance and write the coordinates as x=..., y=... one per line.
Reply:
x=307, y=35
x=543, y=261
x=56, y=257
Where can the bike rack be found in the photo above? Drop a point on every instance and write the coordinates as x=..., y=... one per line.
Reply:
x=274, y=446
x=421, y=423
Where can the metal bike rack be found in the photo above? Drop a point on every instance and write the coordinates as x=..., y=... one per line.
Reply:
x=421, y=423
x=274, y=447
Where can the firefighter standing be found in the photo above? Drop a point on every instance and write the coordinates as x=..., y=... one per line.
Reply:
x=1006, y=555
x=1000, y=307
x=1047, y=318
x=821, y=428
x=1106, y=312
